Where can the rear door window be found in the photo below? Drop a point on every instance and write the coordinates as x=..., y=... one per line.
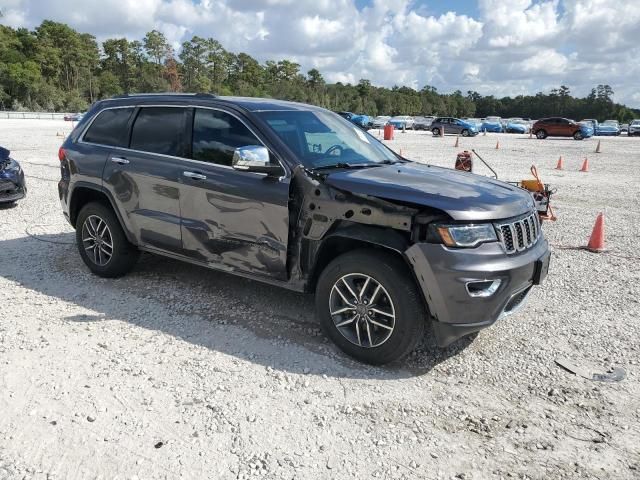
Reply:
x=217, y=134
x=111, y=127
x=160, y=130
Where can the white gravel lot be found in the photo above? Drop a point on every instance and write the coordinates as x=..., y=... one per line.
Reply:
x=180, y=372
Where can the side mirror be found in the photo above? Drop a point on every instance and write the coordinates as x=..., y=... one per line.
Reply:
x=254, y=158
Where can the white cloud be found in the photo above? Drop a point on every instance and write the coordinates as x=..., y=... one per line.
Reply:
x=510, y=47
x=517, y=23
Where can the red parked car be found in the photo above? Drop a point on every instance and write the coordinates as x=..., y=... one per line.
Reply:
x=560, y=127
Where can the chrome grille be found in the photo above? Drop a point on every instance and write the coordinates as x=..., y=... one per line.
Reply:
x=519, y=235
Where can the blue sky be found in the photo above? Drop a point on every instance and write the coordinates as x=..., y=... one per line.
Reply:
x=495, y=47
x=466, y=7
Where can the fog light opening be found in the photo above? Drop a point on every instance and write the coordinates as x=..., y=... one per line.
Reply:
x=482, y=288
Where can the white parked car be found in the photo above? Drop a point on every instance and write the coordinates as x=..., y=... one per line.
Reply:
x=380, y=121
x=402, y=121
x=422, y=123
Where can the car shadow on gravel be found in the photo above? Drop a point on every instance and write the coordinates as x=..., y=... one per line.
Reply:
x=208, y=303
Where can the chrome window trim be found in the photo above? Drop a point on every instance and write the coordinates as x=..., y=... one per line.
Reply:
x=200, y=162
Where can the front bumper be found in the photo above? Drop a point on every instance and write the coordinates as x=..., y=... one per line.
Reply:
x=13, y=186
x=443, y=274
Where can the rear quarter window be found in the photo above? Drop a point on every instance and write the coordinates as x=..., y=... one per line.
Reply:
x=110, y=127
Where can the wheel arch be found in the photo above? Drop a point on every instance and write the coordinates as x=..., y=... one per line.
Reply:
x=356, y=237
x=84, y=193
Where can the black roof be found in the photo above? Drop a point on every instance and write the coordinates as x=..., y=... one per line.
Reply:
x=248, y=103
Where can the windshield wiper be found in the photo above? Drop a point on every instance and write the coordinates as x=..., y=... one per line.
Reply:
x=351, y=166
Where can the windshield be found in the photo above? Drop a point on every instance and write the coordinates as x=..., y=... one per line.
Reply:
x=635, y=122
x=321, y=139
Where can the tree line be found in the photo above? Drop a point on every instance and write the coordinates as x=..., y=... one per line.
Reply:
x=56, y=68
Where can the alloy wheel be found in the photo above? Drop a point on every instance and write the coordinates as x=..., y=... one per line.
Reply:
x=362, y=310
x=97, y=240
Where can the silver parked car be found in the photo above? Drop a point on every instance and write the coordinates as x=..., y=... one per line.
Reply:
x=422, y=123
x=402, y=121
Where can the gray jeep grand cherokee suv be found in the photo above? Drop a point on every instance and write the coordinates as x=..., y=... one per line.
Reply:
x=296, y=196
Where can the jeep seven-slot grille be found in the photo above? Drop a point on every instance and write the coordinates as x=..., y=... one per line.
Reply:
x=519, y=235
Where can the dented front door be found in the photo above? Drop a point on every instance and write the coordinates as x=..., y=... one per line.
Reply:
x=235, y=219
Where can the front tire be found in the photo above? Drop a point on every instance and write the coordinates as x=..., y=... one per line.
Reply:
x=465, y=133
x=436, y=132
x=102, y=244
x=541, y=134
x=368, y=304
x=578, y=136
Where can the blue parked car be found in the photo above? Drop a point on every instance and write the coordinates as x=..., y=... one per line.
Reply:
x=587, y=131
x=492, y=124
x=516, y=126
x=363, y=121
x=452, y=125
x=601, y=129
x=12, y=184
x=474, y=121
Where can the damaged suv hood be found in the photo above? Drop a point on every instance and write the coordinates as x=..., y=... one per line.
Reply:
x=462, y=195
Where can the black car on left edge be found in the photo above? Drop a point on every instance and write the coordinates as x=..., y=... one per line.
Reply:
x=12, y=184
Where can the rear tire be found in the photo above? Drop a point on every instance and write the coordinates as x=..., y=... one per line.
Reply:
x=541, y=134
x=102, y=244
x=376, y=321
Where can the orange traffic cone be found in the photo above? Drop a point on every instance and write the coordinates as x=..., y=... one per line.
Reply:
x=498, y=145
x=400, y=152
x=585, y=165
x=457, y=141
x=442, y=131
x=560, y=164
x=530, y=133
x=485, y=133
x=598, y=147
x=596, y=242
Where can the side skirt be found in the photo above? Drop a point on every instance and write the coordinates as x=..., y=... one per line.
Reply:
x=295, y=286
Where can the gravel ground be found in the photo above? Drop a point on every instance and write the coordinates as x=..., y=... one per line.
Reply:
x=180, y=372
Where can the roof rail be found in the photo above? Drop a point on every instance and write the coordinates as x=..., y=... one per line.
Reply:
x=158, y=94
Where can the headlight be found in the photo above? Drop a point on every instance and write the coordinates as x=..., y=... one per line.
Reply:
x=463, y=235
x=13, y=167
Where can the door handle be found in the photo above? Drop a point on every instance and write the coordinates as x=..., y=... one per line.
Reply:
x=119, y=160
x=194, y=175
